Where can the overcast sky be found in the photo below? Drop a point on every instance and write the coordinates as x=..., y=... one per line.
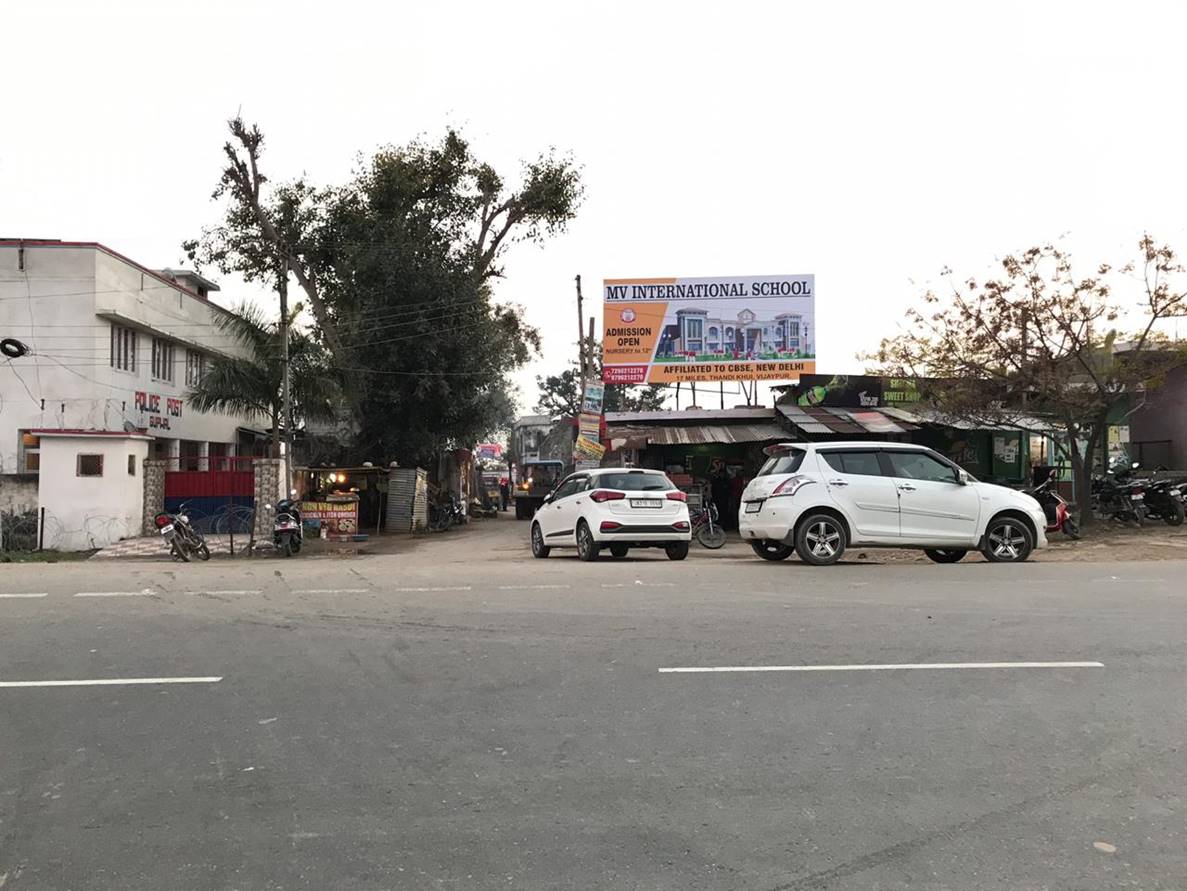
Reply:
x=868, y=143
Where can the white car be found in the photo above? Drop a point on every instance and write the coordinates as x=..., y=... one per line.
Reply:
x=618, y=507
x=819, y=498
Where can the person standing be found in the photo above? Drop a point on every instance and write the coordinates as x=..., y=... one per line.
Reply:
x=504, y=493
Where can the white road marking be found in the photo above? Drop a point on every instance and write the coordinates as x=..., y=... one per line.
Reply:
x=891, y=667
x=111, y=682
x=458, y=588
x=640, y=584
x=530, y=587
x=147, y=592
x=330, y=590
x=23, y=596
x=215, y=593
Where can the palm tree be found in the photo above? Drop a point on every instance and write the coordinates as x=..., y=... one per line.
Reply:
x=252, y=384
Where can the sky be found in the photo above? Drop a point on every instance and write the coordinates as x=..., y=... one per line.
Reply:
x=872, y=144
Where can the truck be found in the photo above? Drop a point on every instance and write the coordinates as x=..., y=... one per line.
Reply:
x=535, y=479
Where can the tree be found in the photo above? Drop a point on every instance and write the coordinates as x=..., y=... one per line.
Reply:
x=398, y=265
x=251, y=384
x=560, y=394
x=1040, y=339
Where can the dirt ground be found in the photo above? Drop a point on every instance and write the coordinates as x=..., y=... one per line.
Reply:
x=505, y=538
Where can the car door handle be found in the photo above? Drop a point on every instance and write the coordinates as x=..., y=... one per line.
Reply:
x=837, y=483
x=906, y=487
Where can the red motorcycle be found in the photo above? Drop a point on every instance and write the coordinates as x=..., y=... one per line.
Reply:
x=1055, y=508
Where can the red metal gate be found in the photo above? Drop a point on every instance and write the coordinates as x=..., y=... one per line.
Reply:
x=218, y=492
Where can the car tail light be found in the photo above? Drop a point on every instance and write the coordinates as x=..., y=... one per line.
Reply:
x=601, y=495
x=791, y=485
x=677, y=496
x=162, y=520
x=610, y=525
x=681, y=525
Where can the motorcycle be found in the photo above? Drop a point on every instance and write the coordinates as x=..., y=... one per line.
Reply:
x=1115, y=496
x=184, y=540
x=287, y=535
x=1162, y=499
x=706, y=528
x=1055, y=507
x=446, y=512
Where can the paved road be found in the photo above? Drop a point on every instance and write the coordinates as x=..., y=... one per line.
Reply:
x=460, y=716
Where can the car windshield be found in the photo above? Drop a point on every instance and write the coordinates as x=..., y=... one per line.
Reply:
x=634, y=482
x=788, y=461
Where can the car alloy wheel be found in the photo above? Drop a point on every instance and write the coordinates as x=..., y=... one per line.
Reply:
x=1007, y=542
x=820, y=540
x=539, y=549
x=823, y=539
x=587, y=548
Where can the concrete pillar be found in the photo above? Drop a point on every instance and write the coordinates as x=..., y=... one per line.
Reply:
x=154, y=493
x=268, y=472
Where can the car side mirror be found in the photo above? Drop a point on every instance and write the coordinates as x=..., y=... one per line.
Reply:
x=962, y=478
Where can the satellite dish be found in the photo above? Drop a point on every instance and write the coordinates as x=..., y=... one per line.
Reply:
x=129, y=427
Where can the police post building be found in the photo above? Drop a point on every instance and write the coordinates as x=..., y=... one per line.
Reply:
x=113, y=348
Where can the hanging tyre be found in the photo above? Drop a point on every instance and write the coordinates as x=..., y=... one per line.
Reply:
x=772, y=550
x=945, y=555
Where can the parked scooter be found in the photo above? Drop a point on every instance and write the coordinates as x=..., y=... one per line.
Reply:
x=1055, y=507
x=286, y=527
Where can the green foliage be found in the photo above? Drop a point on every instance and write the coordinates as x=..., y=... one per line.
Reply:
x=398, y=264
x=560, y=394
x=1041, y=339
x=252, y=384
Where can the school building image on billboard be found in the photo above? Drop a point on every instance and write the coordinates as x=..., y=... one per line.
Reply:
x=742, y=336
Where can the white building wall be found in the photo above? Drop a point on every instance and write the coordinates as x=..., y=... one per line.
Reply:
x=62, y=304
x=91, y=512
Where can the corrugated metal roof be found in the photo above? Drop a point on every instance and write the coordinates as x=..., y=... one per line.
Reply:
x=704, y=415
x=699, y=433
x=818, y=419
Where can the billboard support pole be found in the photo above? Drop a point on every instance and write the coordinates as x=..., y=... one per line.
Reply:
x=580, y=337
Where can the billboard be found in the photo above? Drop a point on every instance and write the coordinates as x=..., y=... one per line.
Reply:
x=666, y=330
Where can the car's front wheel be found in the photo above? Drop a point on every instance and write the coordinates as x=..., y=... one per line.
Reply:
x=1007, y=540
x=944, y=555
x=677, y=550
x=820, y=540
x=772, y=550
x=539, y=549
x=587, y=548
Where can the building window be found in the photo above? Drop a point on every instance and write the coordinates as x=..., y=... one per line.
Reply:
x=162, y=360
x=90, y=465
x=131, y=465
x=195, y=367
x=123, y=348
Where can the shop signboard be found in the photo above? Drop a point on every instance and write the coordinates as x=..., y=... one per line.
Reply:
x=488, y=451
x=668, y=330
x=589, y=426
x=588, y=450
x=839, y=390
x=335, y=514
x=592, y=400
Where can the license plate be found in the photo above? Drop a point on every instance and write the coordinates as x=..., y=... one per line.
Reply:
x=1137, y=497
x=753, y=507
x=647, y=503
x=167, y=530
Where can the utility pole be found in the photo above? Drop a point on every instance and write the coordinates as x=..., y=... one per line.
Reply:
x=591, y=365
x=283, y=289
x=580, y=336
